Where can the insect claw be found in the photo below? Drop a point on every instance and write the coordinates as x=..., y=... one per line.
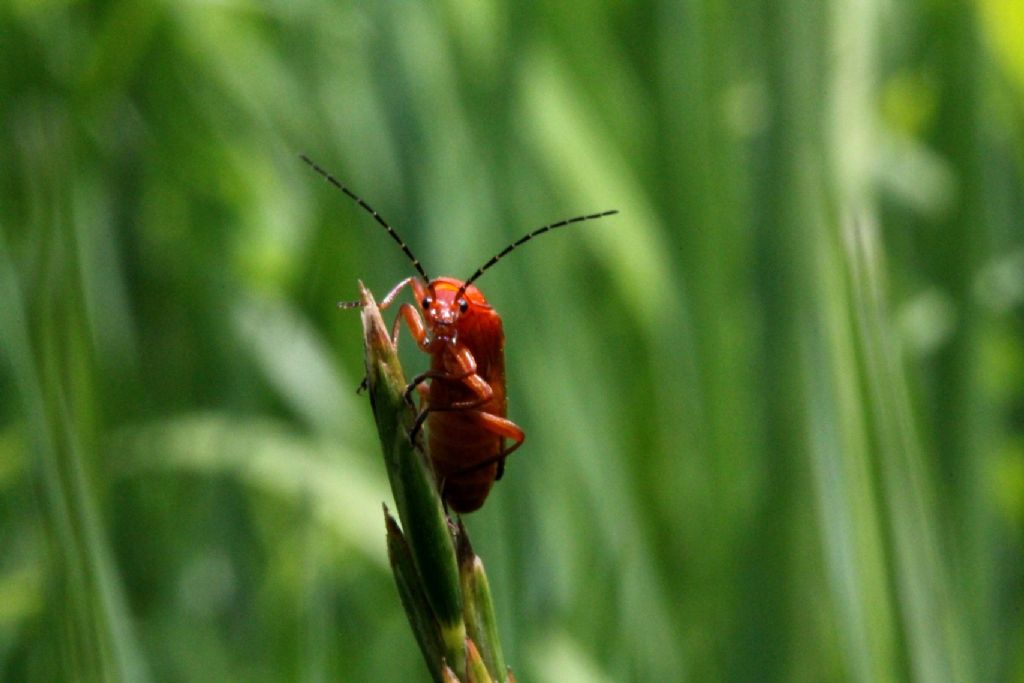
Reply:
x=418, y=424
x=413, y=385
x=364, y=385
x=453, y=528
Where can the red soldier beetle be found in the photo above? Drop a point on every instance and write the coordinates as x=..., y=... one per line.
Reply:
x=464, y=406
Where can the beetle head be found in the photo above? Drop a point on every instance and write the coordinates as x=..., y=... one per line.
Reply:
x=443, y=305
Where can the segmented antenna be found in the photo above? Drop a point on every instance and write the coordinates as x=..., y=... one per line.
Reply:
x=526, y=238
x=391, y=231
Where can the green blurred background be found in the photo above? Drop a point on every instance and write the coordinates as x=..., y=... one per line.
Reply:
x=775, y=408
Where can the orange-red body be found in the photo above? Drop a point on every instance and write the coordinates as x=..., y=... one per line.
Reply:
x=464, y=405
x=467, y=428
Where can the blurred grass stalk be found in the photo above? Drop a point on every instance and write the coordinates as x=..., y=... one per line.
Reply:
x=88, y=629
x=446, y=596
x=833, y=347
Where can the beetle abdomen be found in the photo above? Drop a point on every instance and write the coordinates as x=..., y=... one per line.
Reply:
x=464, y=457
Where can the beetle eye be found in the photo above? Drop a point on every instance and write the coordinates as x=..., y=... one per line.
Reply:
x=426, y=302
x=463, y=305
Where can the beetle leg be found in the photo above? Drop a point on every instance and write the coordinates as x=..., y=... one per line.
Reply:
x=469, y=405
x=505, y=428
x=417, y=384
x=500, y=426
x=461, y=405
x=390, y=296
x=407, y=312
x=425, y=412
x=482, y=389
x=413, y=320
x=418, y=424
x=385, y=302
x=465, y=366
x=422, y=389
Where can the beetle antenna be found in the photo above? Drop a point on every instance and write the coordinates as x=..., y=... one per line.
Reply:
x=526, y=238
x=391, y=231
